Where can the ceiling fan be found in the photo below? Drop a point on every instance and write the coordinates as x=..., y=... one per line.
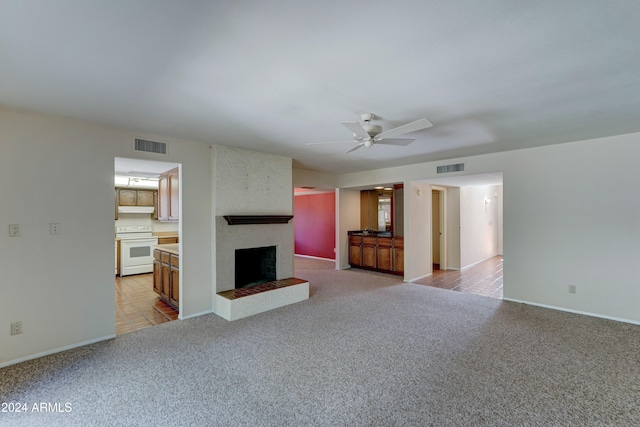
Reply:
x=369, y=134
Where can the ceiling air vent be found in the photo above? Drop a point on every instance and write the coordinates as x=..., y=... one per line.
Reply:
x=458, y=167
x=150, y=146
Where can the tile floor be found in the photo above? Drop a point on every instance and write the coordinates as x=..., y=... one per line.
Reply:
x=137, y=306
x=484, y=278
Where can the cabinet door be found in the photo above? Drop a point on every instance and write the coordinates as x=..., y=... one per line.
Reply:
x=145, y=198
x=174, y=195
x=127, y=197
x=369, y=256
x=163, y=198
x=166, y=281
x=398, y=259
x=175, y=287
x=157, y=277
x=355, y=255
x=384, y=254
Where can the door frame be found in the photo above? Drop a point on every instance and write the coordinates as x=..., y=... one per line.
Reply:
x=442, y=199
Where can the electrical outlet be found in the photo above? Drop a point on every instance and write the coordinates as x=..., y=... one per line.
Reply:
x=572, y=289
x=54, y=228
x=14, y=230
x=16, y=328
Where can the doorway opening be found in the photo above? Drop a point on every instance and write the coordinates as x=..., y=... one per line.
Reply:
x=147, y=218
x=438, y=228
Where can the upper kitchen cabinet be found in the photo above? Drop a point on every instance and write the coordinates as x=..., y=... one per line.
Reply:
x=168, y=196
x=136, y=197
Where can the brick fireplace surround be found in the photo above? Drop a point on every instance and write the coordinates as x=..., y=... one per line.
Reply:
x=233, y=304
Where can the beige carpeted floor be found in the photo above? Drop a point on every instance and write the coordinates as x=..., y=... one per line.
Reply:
x=365, y=350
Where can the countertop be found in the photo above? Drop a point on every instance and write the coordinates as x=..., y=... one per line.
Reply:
x=165, y=233
x=173, y=248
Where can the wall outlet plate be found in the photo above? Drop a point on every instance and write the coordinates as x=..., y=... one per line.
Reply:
x=572, y=289
x=14, y=230
x=16, y=328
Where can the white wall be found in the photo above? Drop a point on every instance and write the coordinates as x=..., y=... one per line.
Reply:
x=453, y=227
x=347, y=218
x=417, y=230
x=570, y=217
x=62, y=287
x=478, y=224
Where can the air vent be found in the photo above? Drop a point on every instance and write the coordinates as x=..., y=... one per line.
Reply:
x=458, y=167
x=150, y=146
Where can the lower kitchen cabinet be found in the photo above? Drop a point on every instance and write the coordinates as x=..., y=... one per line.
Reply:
x=166, y=276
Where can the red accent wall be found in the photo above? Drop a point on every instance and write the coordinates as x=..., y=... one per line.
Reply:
x=315, y=225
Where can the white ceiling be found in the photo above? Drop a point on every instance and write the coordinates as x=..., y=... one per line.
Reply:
x=273, y=75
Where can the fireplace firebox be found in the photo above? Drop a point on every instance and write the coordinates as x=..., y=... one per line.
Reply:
x=255, y=266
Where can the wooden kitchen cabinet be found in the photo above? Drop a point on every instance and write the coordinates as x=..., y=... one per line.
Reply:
x=169, y=196
x=135, y=197
x=166, y=276
x=167, y=240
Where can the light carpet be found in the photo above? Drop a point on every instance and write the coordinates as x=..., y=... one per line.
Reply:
x=364, y=350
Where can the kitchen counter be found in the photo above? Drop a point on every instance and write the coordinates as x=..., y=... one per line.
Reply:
x=173, y=248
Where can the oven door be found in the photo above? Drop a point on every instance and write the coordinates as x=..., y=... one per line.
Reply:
x=136, y=255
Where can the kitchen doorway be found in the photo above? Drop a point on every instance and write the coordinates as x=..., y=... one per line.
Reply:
x=147, y=220
x=438, y=228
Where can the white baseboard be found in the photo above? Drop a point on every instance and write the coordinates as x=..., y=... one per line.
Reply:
x=191, y=316
x=315, y=257
x=55, y=350
x=568, y=310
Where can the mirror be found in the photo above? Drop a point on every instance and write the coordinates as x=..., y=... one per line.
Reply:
x=376, y=209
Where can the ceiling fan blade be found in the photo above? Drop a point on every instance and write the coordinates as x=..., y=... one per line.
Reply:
x=356, y=147
x=356, y=128
x=400, y=130
x=395, y=141
x=328, y=142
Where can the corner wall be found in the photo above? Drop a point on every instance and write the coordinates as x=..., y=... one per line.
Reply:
x=56, y=170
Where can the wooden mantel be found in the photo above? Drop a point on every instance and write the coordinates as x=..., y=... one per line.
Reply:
x=257, y=219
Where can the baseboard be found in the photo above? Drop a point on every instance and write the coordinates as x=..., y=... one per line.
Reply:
x=315, y=257
x=418, y=278
x=191, y=316
x=478, y=262
x=56, y=350
x=568, y=310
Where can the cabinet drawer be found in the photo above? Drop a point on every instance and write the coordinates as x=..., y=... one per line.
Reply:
x=355, y=240
x=157, y=254
x=369, y=241
x=165, y=257
x=175, y=261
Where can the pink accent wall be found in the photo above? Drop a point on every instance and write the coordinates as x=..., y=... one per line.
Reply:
x=315, y=225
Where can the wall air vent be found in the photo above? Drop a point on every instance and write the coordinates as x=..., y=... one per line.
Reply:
x=458, y=167
x=150, y=146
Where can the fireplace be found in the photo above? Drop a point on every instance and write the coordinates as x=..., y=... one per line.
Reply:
x=254, y=266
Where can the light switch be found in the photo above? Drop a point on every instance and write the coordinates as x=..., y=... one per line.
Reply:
x=14, y=230
x=54, y=228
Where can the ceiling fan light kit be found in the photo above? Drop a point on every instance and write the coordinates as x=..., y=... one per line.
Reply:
x=368, y=134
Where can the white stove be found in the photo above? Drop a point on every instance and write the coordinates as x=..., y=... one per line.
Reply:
x=136, y=249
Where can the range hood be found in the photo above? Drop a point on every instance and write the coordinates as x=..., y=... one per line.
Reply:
x=136, y=209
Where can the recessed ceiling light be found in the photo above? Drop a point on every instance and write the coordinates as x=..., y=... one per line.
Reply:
x=378, y=188
x=388, y=188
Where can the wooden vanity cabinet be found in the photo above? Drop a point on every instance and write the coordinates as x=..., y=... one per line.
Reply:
x=355, y=251
x=384, y=253
x=369, y=252
x=379, y=253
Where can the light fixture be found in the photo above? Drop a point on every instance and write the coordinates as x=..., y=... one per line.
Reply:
x=378, y=188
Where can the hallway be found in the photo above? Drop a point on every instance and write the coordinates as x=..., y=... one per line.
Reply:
x=484, y=278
